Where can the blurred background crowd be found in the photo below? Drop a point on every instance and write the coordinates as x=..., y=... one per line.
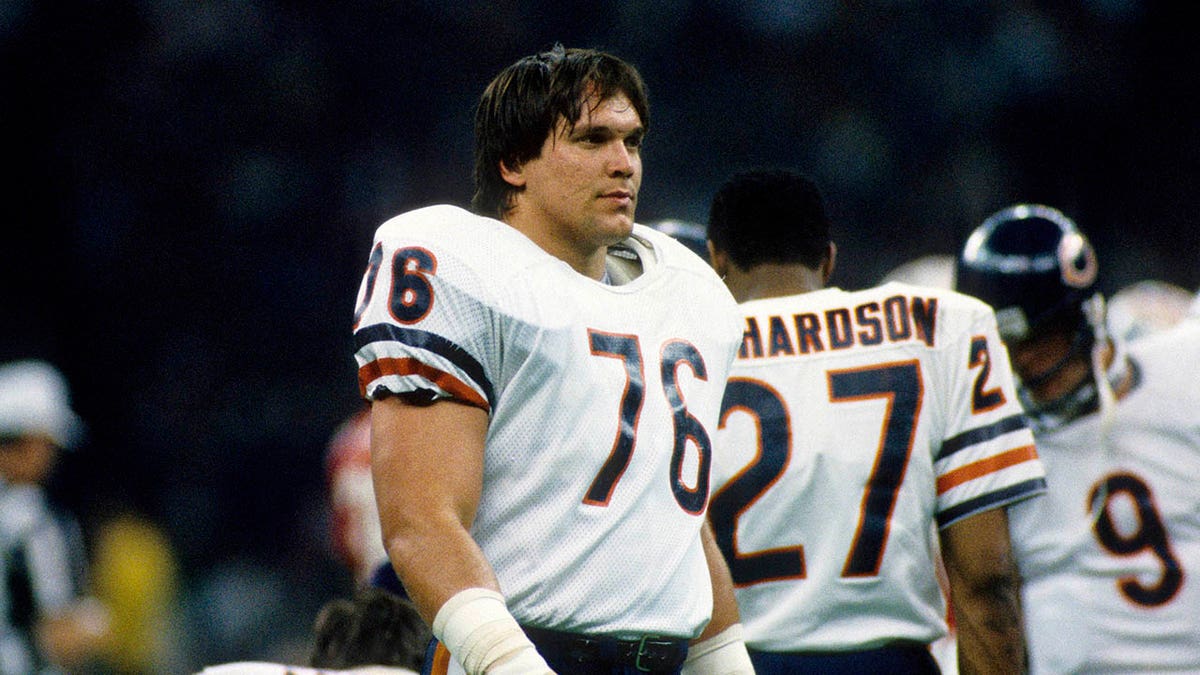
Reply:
x=193, y=186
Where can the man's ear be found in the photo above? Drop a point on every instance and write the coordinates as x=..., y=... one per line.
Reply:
x=513, y=176
x=829, y=264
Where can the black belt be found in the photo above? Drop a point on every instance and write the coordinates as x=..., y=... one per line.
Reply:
x=650, y=654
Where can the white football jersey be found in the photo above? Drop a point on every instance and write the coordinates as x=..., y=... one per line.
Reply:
x=602, y=401
x=855, y=423
x=1111, y=554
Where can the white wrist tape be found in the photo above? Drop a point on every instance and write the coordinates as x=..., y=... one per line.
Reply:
x=478, y=630
x=722, y=654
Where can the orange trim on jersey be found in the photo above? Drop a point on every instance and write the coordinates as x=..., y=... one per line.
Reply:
x=985, y=466
x=458, y=389
x=441, y=660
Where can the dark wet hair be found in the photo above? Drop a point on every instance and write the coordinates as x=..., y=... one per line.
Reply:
x=521, y=107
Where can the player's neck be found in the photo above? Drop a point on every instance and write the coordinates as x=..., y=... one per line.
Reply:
x=773, y=280
x=585, y=254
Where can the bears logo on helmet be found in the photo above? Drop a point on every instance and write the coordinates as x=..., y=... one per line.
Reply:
x=1032, y=265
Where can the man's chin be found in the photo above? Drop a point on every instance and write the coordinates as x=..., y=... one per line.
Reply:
x=616, y=229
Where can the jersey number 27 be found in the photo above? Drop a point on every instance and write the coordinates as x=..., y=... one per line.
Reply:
x=900, y=385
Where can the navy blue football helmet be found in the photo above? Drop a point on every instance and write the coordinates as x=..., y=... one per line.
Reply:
x=1039, y=273
x=1034, y=267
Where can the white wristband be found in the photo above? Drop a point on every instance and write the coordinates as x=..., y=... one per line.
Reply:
x=722, y=654
x=476, y=627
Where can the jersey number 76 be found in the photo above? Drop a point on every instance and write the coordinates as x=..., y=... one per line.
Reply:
x=675, y=353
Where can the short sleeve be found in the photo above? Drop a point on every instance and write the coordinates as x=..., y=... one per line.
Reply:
x=988, y=458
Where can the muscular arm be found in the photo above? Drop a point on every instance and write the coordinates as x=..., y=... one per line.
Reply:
x=427, y=467
x=985, y=594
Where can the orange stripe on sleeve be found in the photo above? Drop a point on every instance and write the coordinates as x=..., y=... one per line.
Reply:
x=985, y=466
x=441, y=660
x=460, y=390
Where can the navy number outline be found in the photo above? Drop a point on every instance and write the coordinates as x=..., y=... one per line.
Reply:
x=774, y=452
x=627, y=349
x=412, y=294
x=983, y=400
x=901, y=386
x=674, y=354
x=369, y=277
x=1151, y=535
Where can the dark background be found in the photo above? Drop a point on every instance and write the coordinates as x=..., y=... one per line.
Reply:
x=192, y=188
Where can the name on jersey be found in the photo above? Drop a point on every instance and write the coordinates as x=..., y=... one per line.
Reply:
x=897, y=319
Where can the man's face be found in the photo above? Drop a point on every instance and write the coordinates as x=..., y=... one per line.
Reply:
x=580, y=193
x=1037, y=356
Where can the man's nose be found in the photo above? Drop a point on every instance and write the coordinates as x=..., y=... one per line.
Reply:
x=621, y=159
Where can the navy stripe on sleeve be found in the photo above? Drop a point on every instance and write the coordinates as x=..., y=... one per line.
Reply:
x=430, y=342
x=982, y=434
x=991, y=500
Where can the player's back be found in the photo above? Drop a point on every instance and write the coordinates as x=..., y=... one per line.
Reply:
x=1111, y=554
x=855, y=423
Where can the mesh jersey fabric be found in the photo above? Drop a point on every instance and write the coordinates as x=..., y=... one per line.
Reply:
x=1111, y=555
x=856, y=423
x=468, y=308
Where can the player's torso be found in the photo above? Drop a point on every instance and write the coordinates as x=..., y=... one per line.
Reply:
x=614, y=474
x=827, y=428
x=1111, y=554
x=602, y=400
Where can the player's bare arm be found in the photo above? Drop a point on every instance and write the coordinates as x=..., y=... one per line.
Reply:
x=985, y=594
x=427, y=466
x=720, y=648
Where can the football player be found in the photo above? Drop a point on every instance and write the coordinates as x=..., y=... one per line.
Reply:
x=545, y=376
x=861, y=431
x=1111, y=555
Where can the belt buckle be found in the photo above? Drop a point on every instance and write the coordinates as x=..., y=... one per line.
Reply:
x=652, y=639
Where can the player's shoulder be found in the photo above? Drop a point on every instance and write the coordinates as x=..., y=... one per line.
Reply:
x=1179, y=344
x=669, y=251
x=437, y=220
x=450, y=232
x=671, y=257
x=953, y=306
x=949, y=297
